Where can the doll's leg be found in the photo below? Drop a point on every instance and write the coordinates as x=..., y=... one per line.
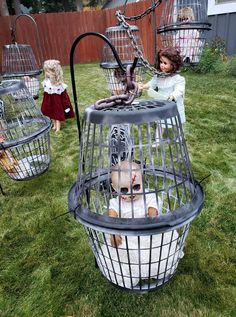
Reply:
x=58, y=125
x=53, y=124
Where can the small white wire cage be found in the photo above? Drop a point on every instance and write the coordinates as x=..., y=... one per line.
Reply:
x=135, y=193
x=24, y=133
x=184, y=25
x=121, y=41
x=19, y=61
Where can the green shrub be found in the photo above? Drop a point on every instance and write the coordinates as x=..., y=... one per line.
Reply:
x=213, y=58
x=231, y=66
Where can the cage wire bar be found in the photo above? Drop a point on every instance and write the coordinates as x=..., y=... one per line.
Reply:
x=183, y=25
x=120, y=39
x=24, y=133
x=150, y=189
x=19, y=61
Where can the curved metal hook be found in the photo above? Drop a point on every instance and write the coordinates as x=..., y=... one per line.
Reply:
x=13, y=32
x=77, y=40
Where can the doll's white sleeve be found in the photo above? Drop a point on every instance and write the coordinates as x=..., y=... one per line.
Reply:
x=179, y=87
x=114, y=204
x=152, y=83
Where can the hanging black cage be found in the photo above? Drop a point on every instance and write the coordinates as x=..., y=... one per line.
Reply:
x=19, y=61
x=24, y=133
x=136, y=247
x=184, y=26
x=121, y=40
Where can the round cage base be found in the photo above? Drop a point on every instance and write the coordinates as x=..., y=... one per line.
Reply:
x=140, y=263
x=28, y=159
x=139, y=257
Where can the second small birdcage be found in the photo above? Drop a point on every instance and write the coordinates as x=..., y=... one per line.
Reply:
x=20, y=62
x=24, y=133
x=120, y=39
x=184, y=25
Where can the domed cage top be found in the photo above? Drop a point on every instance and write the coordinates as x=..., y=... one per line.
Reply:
x=135, y=194
x=184, y=25
x=24, y=133
x=19, y=61
x=121, y=41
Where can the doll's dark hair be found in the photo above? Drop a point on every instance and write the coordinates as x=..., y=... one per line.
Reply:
x=173, y=55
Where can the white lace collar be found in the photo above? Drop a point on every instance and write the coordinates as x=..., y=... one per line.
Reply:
x=53, y=89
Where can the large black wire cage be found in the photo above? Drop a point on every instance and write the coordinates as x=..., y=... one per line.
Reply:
x=135, y=193
x=24, y=133
x=19, y=61
x=184, y=25
x=121, y=40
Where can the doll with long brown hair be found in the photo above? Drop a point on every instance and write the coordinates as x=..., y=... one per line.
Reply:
x=168, y=84
x=56, y=102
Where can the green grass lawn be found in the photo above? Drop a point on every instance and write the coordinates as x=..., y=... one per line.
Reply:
x=46, y=265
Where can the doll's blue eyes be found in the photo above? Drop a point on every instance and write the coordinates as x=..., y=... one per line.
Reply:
x=125, y=190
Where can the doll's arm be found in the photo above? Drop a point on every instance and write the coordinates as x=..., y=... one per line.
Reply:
x=150, y=84
x=179, y=89
x=115, y=239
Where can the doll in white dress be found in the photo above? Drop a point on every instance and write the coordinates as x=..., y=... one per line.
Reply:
x=171, y=86
x=128, y=259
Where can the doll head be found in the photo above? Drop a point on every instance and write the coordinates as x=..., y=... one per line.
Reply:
x=126, y=180
x=172, y=56
x=53, y=71
x=185, y=15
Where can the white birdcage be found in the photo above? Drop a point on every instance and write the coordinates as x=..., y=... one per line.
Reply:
x=24, y=133
x=121, y=41
x=184, y=25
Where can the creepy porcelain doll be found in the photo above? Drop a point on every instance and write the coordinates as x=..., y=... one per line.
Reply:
x=56, y=102
x=126, y=178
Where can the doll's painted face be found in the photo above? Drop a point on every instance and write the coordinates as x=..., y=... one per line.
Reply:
x=165, y=65
x=128, y=184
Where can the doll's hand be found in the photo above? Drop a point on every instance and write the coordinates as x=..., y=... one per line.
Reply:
x=116, y=240
x=152, y=212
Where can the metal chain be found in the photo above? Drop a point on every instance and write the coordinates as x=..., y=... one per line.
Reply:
x=146, y=12
x=121, y=18
x=131, y=91
x=138, y=51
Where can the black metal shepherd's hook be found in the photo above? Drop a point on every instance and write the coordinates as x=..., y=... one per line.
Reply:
x=77, y=40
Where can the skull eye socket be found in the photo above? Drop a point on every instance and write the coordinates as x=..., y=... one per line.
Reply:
x=136, y=187
x=125, y=190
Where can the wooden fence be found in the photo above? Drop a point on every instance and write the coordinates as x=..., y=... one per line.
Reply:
x=57, y=32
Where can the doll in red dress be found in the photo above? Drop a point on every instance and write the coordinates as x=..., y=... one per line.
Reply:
x=56, y=102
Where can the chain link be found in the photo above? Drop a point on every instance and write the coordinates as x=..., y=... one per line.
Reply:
x=146, y=12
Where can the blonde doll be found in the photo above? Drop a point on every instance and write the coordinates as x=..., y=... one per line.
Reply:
x=188, y=39
x=56, y=102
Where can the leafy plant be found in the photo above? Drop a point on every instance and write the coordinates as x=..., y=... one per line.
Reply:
x=231, y=66
x=213, y=57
